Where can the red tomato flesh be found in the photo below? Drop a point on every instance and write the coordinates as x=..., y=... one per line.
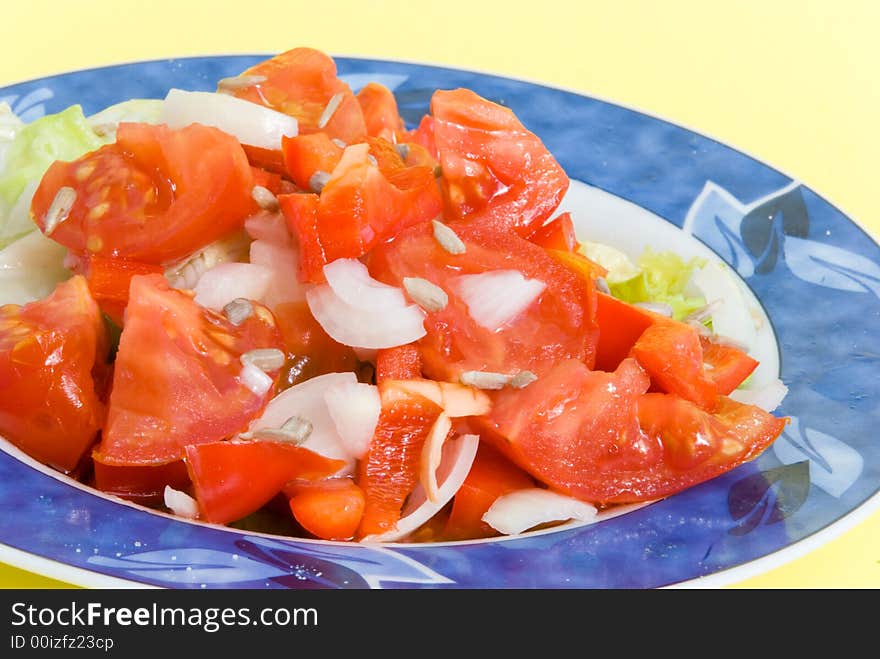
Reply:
x=50, y=352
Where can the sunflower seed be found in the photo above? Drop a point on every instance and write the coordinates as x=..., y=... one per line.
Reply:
x=60, y=208
x=295, y=430
x=427, y=295
x=484, y=379
x=447, y=238
x=339, y=143
x=522, y=379
x=265, y=359
x=402, y=150
x=318, y=180
x=239, y=82
x=238, y=311
x=264, y=198
x=602, y=285
x=332, y=105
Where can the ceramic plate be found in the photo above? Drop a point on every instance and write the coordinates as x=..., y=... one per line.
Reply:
x=812, y=273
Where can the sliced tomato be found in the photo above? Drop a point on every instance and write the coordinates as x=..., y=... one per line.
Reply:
x=380, y=111
x=232, y=479
x=620, y=326
x=156, y=195
x=726, y=366
x=491, y=476
x=495, y=170
x=357, y=209
x=178, y=376
x=576, y=430
x=50, y=352
x=330, y=509
x=141, y=484
x=696, y=445
x=301, y=83
x=558, y=234
x=398, y=363
x=311, y=351
x=423, y=135
x=307, y=155
x=558, y=325
x=268, y=160
x=672, y=355
x=389, y=471
x=109, y=281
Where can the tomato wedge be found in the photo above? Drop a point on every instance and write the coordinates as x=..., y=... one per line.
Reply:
x=50, y=352
x=697, y=445
x=559, y=324
x=357, y=208
x=302, y=82
x=232, y=479
x=380, y=111
x=558, y=234
x=156, y=195
x=178, y=376
x=389, y=471
x=575, y=429
x=495, y=170
x=726, y=366
x=398, y=363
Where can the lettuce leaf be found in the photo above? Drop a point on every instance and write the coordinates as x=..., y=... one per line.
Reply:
x=62, y=136
x=663, y=277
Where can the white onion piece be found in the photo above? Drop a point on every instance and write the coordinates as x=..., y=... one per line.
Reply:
x=352, y=283
x=432, y=453
x=255, y=379
x=306, y=400
x=225, y=282
x=364, y=329
x=251, y=123
x=458, y=457
x=496, y=297
x=354, y=408
x=269, y=226
x=283, y=263
x=180, y=503
x=768, y=397
x=521, y=510
x=731, y=316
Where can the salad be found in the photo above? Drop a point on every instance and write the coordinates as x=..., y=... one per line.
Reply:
x=276, y=306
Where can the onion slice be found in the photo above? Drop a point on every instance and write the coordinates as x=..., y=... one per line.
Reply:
x=458, y=456
x=521, y=510
x=307, y=400
x=432, y=453
x=352, y=283
x=250, y=123
x=354, y=408
x=768, y=397
x=225, y=282
x=359, y=328
x=496, y=297
x=180, y=503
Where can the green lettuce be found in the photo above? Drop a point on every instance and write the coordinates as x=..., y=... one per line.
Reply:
x=63, y=136
x=662, y=277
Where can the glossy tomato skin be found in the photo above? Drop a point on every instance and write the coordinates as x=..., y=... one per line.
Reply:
x=232, y=479
x=357, y=209
x=177, y=377
x=558, y=325
x=380, y=111
x=155, y=196
x=575, y=429
x=698, y=445
x=50, y=352
x=301, y=82
x=495, y=171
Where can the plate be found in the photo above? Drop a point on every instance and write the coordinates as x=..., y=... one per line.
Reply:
x=812, y=272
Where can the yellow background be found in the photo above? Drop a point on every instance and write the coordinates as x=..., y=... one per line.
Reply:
x=793, y=83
